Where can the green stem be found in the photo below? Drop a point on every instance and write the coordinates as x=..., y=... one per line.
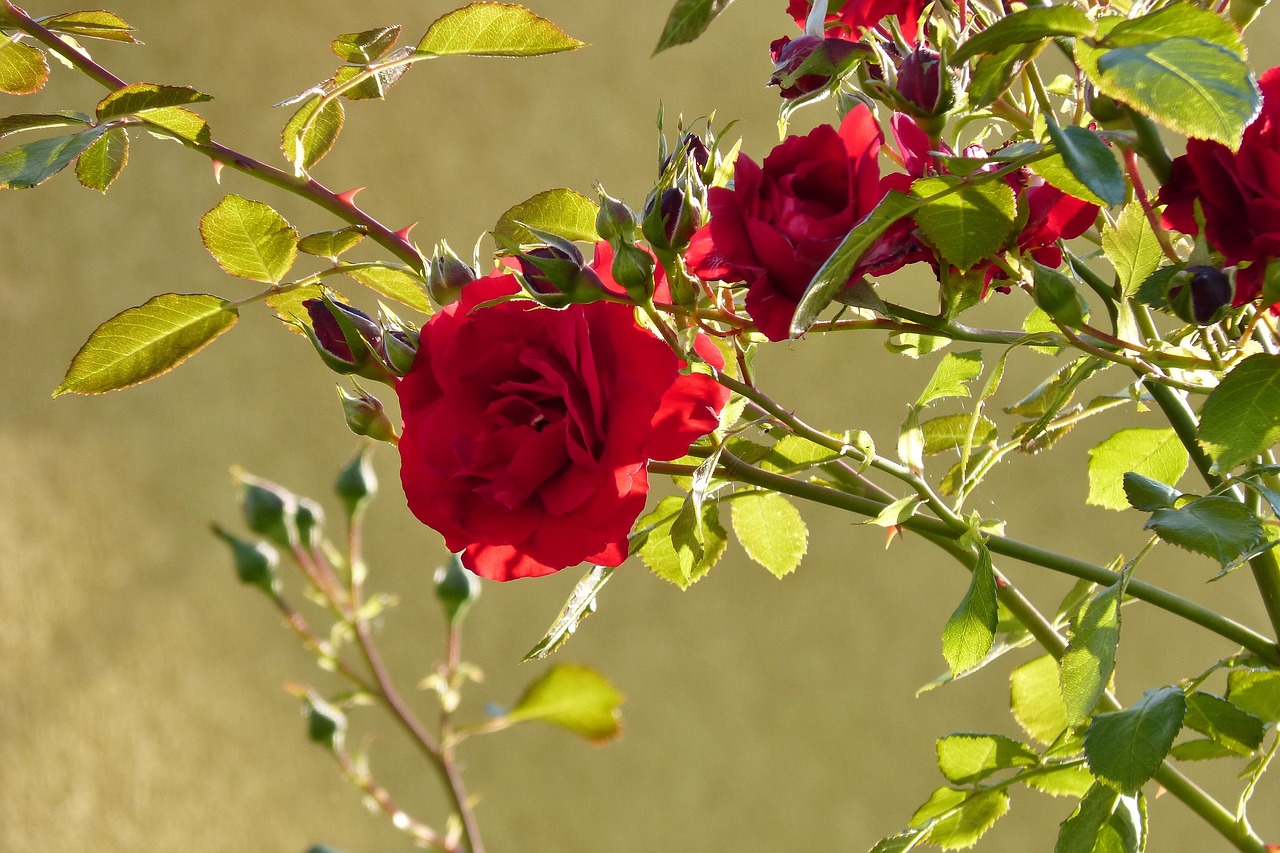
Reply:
x=1150, y=146
x=339, y=205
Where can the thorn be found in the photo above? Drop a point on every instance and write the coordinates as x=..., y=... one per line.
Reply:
x=349, y=197
x=403, y=233
x=218, y=166
x=891, y=532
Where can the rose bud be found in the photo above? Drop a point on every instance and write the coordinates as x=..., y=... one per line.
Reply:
x=255, y=562
x=809, y=63
x=556, y=274
x=670, y=218
x=615, y=221
x=399, y=349
x=1106, y=111
x=1199, y=294
x=356, y=484
x=346, y=338
x=695, y=154
x=927, y=88
x=365, y=415
x=633, y=269
x=456, y=588
x=447, y=274
x=1058, y=296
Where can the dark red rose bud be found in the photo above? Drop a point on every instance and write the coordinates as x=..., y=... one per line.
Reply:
x=447, y=274
x=347, y=339
x=808, y=63
x=926, y=85
x=557, y=275
x=670, y=218
x=1199, y=294
x=693, y=150
x=328, y=336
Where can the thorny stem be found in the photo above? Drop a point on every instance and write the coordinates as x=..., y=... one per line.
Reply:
x=341, y=206
x=1140, y=192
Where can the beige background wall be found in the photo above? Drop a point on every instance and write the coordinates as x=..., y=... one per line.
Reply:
x=140, y=700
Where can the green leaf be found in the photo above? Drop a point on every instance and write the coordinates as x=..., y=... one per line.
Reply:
x=1036, y=699
x=968, y=224
x=1132, y=248
x=1256, y=691
x=1201, y=749
x=993, y=74
x=1241, y=417
x=580, y=605
x=1090, y=161
x=249, y=239
x=29, y=165
x=1225, y=722
x=1071, y=780
x=794, y=453
x=671, y=556
x=771, y=530
x=971, y=630
x=144, y=342
x=960, y=818
x=1191, y=85
x=1177, y=19
x=1216, y=526
x=968, y=758
x=494, y=29
x=951, y=432
x=101, y=163
x=1029, y=25
x=897, y=512
x=1086, y=667
x=308, y=136
x=288, y=306
x=834, y=274
x=951, y=375
x=95, y=24
x=179, y=122
x=332, y=244
x=1148, y=495
x=1104, y=822
x=1152, y=453
x=41, y=121
x=1055, y=171
x=688, y=20
x=576, y=698
x=374, y=86
x=1125, y=748
x=366, y=46
x=900, y=843
x=394, y=282
x=140, y=98
x=23, y=69
x=561, y=212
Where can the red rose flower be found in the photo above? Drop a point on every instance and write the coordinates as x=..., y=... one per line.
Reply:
x=527, y=430
x=851, y=17
x=1239, y=193
x=781, y=221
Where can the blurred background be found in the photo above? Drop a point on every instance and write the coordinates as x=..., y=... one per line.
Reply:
x=140, y=691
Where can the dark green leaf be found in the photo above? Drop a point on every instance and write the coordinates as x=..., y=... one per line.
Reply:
x=561, y=212
x=309, y=135
x=1125, y=748
x=993, y=74
x=576, y=698
x=1201, y=749
x=967, y=224
x=688, y=20
x=494, y=29
x=144, y=342
x=1147, y=494
x=1086, y=666
x=1156, y=454
x=360, y=48
x=1216, y=526
x=249, y=239
x=1090, y=160
x=23, y=69
x=1030, y=25
x=968, y=758
x=1241, y=417
x=1256, y=691
x=971, y=630
x=1225, y=722
x=834, y=273
x=394, y=282
x=101, y=163
x=139, y=98
x=1104, y=822
x=770, y=530
x=29, y=165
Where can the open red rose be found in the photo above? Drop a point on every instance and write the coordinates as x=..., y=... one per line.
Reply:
x=781, y=221
x=848, y=19
x=1239, y=193
x=527, y=430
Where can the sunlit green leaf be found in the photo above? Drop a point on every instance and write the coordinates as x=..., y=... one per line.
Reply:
x=950, y=432
x=375, y=86
x=1036, y=700
x=576, y=698
x=580, y=604
x=561, y=212
x=144, y=342
x=495, y=29
x=682, y=563
x=366, y=46
x=951, y=376
x=960, y=818
x=394, y=282
x=968, y=224
x=971, y=629
x=1216, y=526
x=249, y=239
x=1132, y=247
x=101, y=163
x=1072, y=780
x=178, y=121
x=95, y=24
x=968, y=758
x=1026, y=26
x=309, y=136
x=288, y=305
x=332, y=244
x=770, y=529
x=1154, y=453
x=1125, y=748
x=23, y=69
x=688, y=20
x=141, y=97
x=1256, y=691
x=1241, y=417
x=1085, y=669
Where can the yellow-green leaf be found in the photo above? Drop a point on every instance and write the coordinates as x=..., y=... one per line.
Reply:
x=576, y=698
x=144, y=342
x=23, y=69
x=562, y=212
x=771, y=530
x=102, y=162
x=495, y=29
x=309, y=135
x=140, y=97
x=178, y=121
x=249, y=239
x=332, y=244
x=94, y=24
x=1153, y=453
x=394, y=282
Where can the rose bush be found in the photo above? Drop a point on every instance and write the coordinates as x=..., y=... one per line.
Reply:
x=782, y=220
x=1239, y=193
x=527, y=430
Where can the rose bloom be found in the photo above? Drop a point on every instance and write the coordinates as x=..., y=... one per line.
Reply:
x=1239, y=193
x=527, y=430
x=782, y=220
x=849, y=18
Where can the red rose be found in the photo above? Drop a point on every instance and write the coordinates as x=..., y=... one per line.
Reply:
x=1239, y=193
x=527, y=430
x=781, y=221
x=852, y=16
